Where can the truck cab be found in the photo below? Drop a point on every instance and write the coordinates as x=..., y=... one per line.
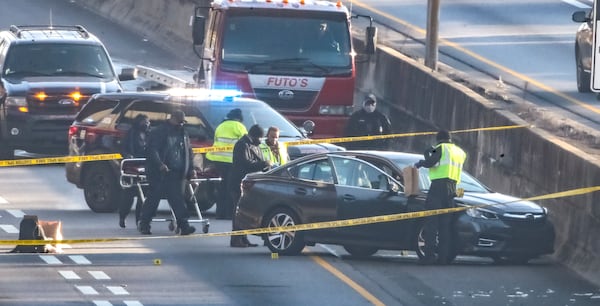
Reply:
x=297, y=56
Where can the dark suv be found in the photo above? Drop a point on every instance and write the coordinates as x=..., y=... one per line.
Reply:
x=102, y=123
x=46, y=74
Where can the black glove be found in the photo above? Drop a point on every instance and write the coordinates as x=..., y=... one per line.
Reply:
x=417, y=164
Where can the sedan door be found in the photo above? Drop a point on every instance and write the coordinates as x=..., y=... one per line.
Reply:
x=363, y=190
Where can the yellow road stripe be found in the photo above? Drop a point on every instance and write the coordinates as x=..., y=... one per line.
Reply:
x=358, y=288
x=318, y=225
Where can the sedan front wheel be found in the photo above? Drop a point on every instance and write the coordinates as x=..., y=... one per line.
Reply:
x=284, y=243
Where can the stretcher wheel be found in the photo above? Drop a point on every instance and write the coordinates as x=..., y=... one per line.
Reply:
x=171, y=226
x=205, y=228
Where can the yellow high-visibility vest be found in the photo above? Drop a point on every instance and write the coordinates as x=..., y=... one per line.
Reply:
x=268, y=154
x=226, y=134
x=450, y=164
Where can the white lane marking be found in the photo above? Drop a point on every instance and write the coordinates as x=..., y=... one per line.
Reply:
x=117, y=290
x=69, y=275
x=9, y=228
x=577, y=4
x=3, y=201
x=87, y=290
x=133, y=303
x=16, y=213
x=98, y=275
x=80, y=259
x=51, y=260
x=102, y=303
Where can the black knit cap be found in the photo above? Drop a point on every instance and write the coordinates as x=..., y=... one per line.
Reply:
x=235, y=113
x=256, y=131
x=442, y=135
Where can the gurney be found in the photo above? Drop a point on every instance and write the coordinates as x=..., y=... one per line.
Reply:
x=133, y=175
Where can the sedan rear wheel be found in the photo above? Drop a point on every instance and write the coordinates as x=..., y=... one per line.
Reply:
x=284, y=243
x=360, y=251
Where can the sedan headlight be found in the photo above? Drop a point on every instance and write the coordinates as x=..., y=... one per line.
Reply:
x=481, y=213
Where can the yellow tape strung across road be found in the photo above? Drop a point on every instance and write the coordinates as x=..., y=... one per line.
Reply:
x=58, y=160
x=313, y=226
x=99, y=157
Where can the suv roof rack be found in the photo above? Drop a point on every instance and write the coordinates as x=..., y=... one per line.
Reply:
x=18, y=30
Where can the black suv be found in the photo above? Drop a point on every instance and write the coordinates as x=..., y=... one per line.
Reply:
x=105, y=119
x=46, y=74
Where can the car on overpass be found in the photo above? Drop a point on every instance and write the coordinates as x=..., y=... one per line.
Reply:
x=583, y=49
x=354, y=184
x=102, y=123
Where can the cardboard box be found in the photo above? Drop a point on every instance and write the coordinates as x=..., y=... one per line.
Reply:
x=411, y=181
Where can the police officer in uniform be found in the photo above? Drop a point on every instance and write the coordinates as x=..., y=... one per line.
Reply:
x=368, y=121
x=226, y=134
x=445, y=162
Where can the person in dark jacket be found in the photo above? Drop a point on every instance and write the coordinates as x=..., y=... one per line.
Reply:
x=134, y=146
x=445, y=162
x=169, y=164
x=247, y=158
x=368, y=121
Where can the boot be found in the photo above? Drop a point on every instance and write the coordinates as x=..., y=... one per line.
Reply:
x=247, y=242
x=122, y=221
x=144, y=228
x=186, y=229
x=237, y=242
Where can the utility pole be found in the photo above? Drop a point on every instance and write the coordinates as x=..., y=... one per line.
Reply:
x=431, y=37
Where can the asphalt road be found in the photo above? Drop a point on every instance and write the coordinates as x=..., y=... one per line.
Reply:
x=166, y=270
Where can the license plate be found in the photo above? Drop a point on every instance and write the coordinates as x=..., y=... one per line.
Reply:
x=82, y=134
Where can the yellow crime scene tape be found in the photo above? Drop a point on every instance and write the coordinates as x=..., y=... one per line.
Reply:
x=313, y=226
x=112, y=156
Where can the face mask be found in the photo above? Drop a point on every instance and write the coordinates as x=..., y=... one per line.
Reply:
x=370, y=108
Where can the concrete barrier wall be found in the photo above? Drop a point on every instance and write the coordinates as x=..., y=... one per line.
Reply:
x=523, y=162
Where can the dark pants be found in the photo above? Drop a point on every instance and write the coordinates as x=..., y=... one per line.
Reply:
x=171, y=186
x=125, y=207
x=225, y=205
x=438, y=229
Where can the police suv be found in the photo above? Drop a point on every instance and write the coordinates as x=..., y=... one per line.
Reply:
x=103, y=122
x=46, y=74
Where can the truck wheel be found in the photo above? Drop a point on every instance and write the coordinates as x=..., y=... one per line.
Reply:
x=102, y=190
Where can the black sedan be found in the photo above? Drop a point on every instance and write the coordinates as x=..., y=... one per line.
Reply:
x=351, y=184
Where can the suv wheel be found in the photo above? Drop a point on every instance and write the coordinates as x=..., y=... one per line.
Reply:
x=102, y=190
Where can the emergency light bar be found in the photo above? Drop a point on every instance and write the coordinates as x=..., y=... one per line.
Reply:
x=203, y=93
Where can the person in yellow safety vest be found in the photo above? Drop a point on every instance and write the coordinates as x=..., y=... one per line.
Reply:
x=226, y=134
x=272, y=149
x=445, y=162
